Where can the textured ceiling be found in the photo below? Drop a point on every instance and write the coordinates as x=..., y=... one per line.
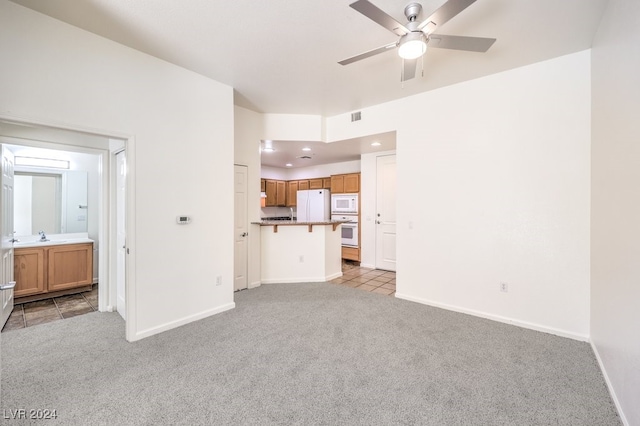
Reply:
x=281, y=56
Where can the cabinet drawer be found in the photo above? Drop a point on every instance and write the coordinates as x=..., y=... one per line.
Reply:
x=351, y=253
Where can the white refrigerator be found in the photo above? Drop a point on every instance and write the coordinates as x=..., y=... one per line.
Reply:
x=314, y=205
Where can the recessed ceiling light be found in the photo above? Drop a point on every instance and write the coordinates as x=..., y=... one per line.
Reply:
x=289, y=165
x=376, y=144
x=306, y=149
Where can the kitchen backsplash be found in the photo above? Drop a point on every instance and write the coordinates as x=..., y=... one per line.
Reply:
x=276, y=211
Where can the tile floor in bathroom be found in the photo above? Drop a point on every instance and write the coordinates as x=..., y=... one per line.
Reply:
x=55, y=309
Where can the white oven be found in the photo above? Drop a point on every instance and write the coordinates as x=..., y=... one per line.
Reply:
x=349, y=229
x=344, y=204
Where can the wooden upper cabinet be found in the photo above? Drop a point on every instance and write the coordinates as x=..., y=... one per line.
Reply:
x=270, y=189
x=344, y=184
x=326, y=183
x=352, y=183
x=303, y=185
x=337, y=184
x=292, y=193
x=263, y=185
x=315, y=183
x=281, y=193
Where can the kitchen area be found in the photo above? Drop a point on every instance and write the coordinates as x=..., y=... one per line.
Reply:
x=308, y=226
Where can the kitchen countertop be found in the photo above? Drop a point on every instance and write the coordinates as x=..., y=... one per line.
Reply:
x=298, y=222
x=310, y=225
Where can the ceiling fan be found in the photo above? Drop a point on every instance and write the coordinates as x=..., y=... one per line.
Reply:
x=416, y=36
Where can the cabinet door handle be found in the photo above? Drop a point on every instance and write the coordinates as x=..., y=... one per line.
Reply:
x=9, y=286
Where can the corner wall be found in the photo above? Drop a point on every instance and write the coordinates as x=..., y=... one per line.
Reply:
x=615, y=206
x=494, y=173
x=180, y=126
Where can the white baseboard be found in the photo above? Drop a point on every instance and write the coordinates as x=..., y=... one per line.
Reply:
x=254, y=284
x=523, y=324
x=186, y=320
x=612, y=392
x=366, y=265
x=303, y=279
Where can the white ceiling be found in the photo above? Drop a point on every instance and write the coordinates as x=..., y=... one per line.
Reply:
x=281, y=56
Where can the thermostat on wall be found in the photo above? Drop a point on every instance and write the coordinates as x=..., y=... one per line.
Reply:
x=183, y=220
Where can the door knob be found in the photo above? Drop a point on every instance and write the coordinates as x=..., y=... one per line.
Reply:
x=9, y=286
x=378, y=222
x=244, y=234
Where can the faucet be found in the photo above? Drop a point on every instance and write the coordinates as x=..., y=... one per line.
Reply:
x=43, y=237
x=291, y=208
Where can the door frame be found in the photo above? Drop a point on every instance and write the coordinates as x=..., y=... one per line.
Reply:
x=106, y=227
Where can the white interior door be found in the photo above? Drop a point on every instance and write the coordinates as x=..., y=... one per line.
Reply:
x=386, y=212
x=6, y=229
x=241, y=229
x=121, y=174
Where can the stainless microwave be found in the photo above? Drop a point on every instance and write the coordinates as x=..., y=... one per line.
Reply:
x=344, y=203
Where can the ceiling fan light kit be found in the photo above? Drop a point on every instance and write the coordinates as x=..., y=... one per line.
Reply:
x=415, y=36
x=412, y=45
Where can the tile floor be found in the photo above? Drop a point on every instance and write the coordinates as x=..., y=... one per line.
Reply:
x=47, y=310
x=367, y=279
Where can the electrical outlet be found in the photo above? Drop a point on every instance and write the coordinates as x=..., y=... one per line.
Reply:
x=301, y=259
x=504, y=287
x=219, y=280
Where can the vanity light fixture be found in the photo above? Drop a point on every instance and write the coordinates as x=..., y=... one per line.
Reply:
x=41, y=162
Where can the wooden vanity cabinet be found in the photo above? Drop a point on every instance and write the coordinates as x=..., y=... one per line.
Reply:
x=44, y=272
x=69, y=266
x=28, y=271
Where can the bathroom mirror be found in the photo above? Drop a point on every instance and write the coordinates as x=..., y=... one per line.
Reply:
x=53, y=202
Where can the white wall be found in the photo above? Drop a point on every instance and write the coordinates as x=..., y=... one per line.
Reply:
x=615, y=206
x=180, y=126
x=496, y=182
x=248, y=132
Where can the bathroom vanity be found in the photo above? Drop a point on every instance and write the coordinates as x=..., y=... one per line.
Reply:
x=45, y=269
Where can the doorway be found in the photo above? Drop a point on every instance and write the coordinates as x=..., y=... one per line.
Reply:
x=241, y=229
x=102, y=216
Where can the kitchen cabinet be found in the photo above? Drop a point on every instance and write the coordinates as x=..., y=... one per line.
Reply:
x=292, y=193
x=270, y=190
x=45, y=272
x=303, y=185
x=263, y=185
x=345, y=184
x=351, y=253
x=326, y=183
x=315, y=183
x=281, y=193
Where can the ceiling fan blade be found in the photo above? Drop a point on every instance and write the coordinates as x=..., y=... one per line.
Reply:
x=447, y=11
x=377, y=15
x=409, y=69
x=368, y=54
x=471, y=44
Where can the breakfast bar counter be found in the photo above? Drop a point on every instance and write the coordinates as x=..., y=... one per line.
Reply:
x=293, y=251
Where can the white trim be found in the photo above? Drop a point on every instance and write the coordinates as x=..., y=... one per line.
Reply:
x=523, y=324
x=366, y=265
x=254, y=284
x=612, y=392
x=183, y=321
x=303, y=279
